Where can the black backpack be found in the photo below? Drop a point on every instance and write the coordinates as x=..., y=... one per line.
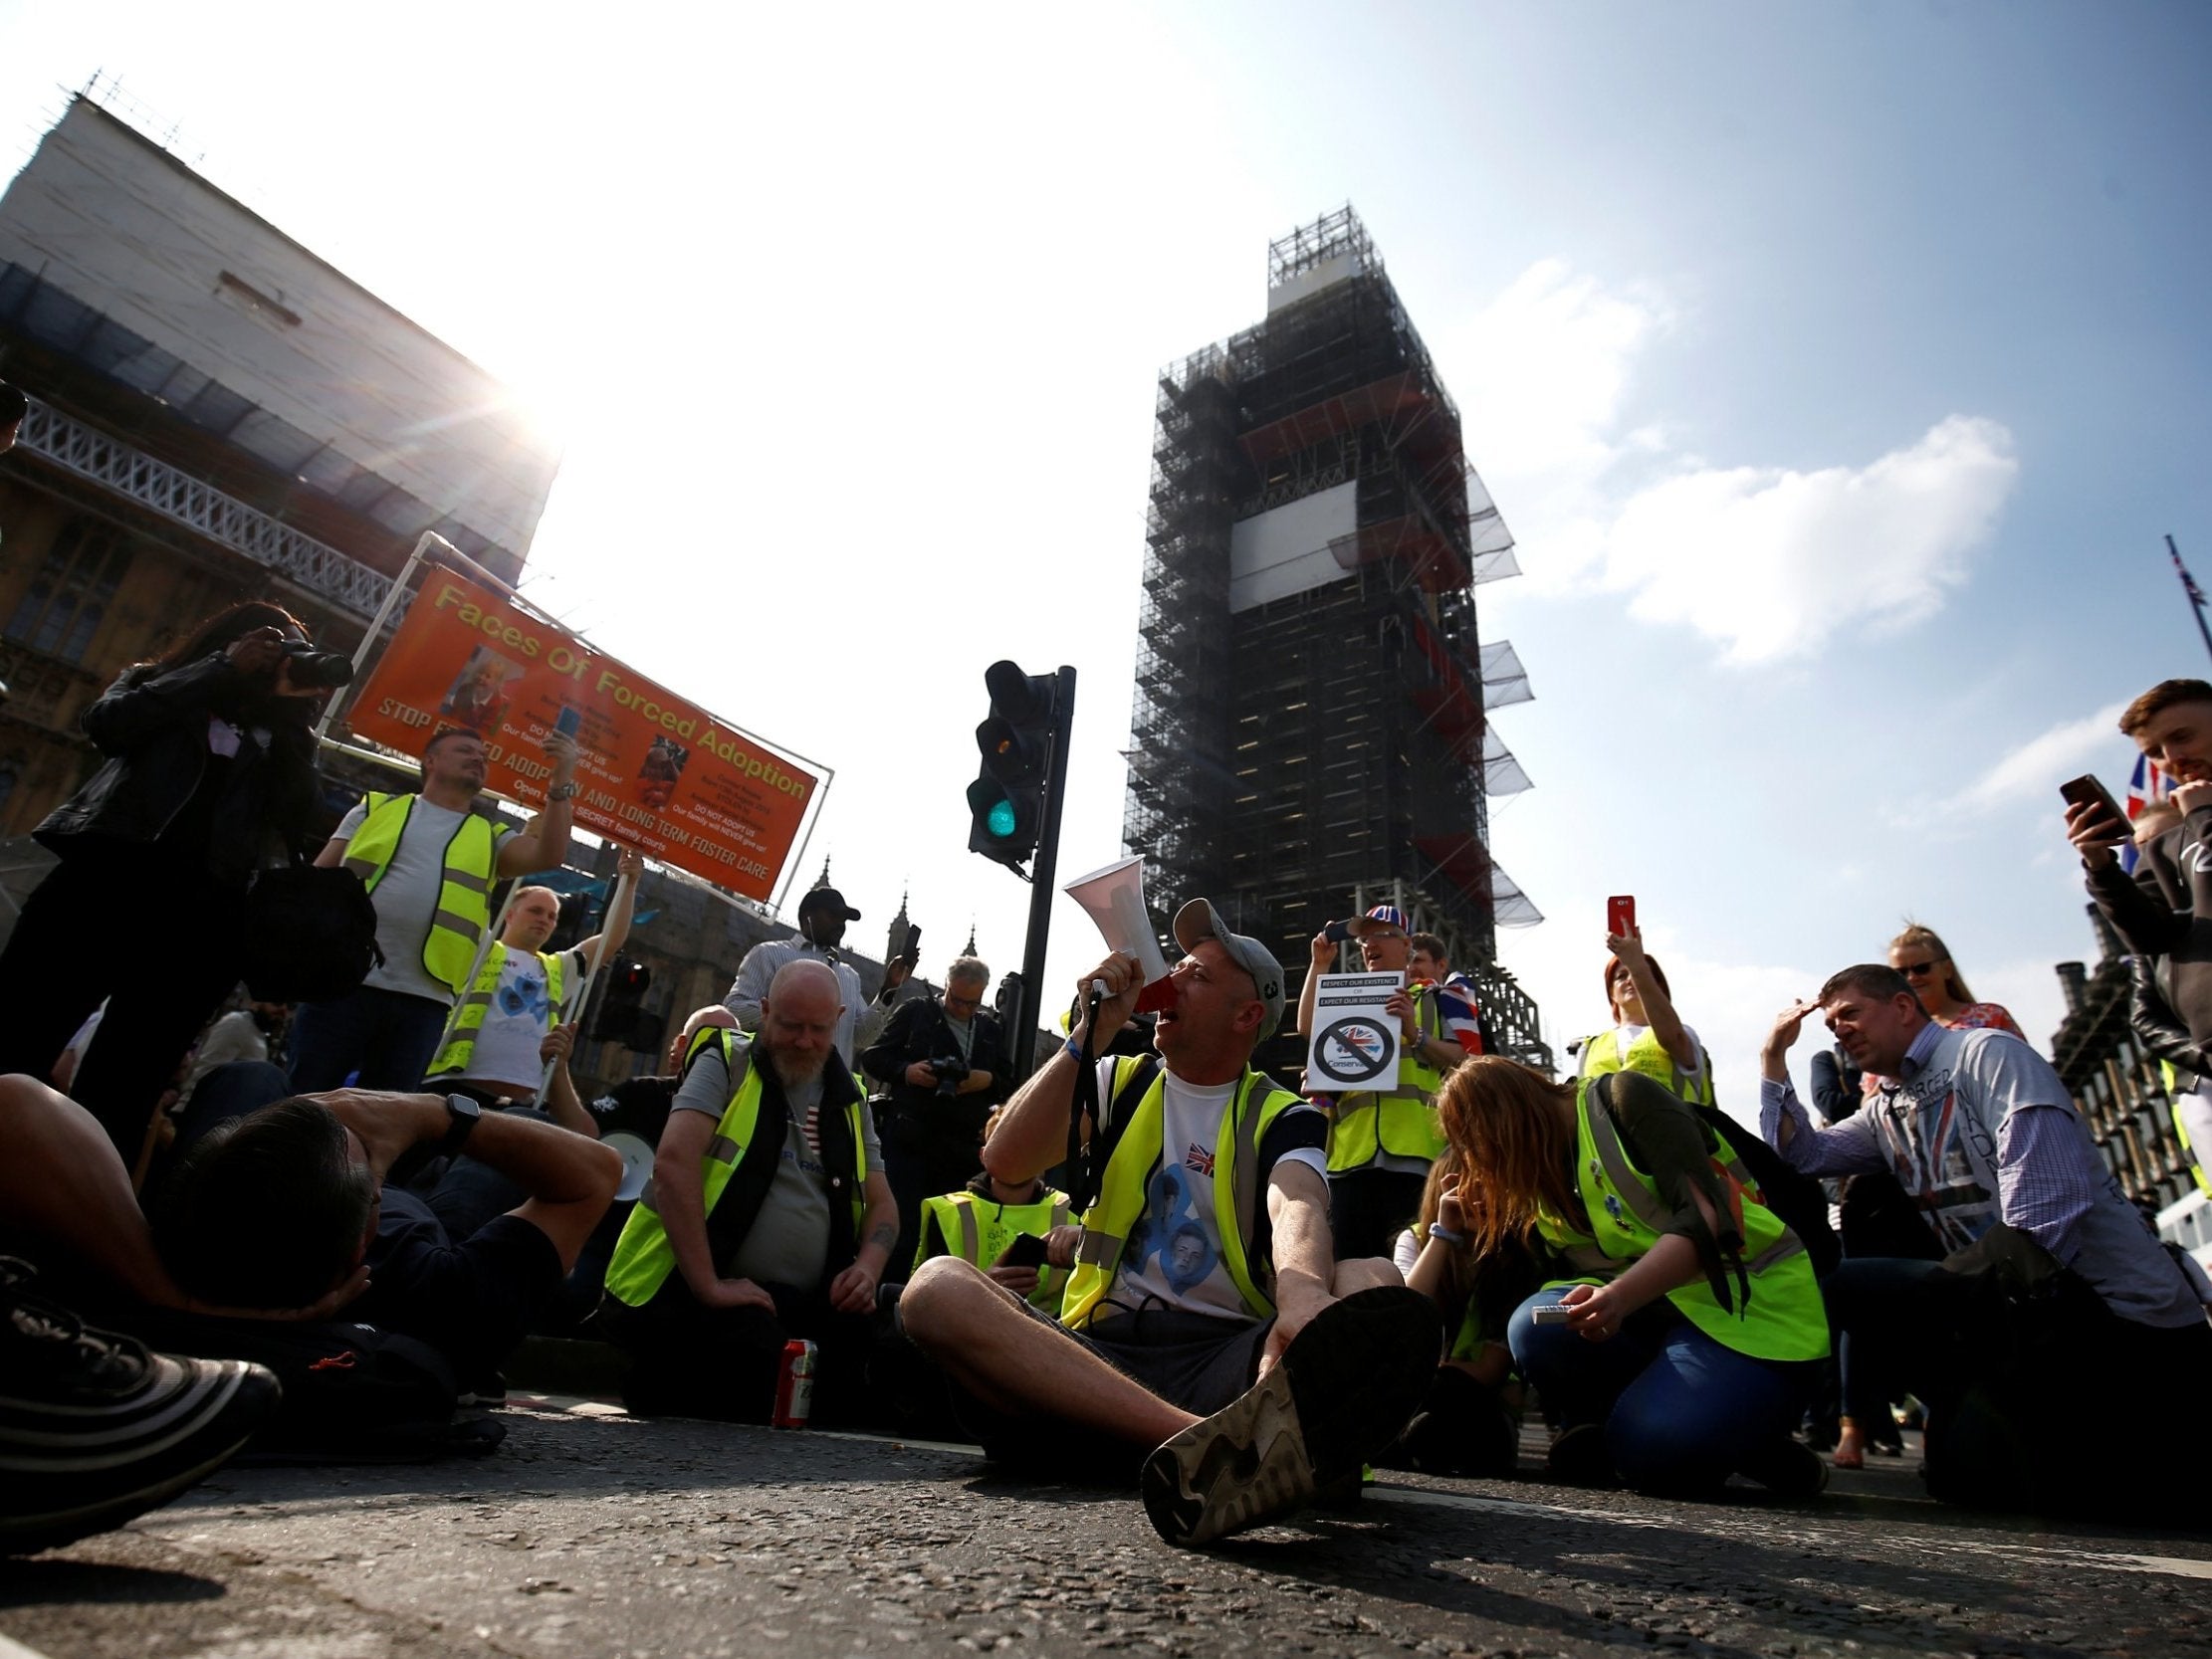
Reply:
x=353, y=1394
x=310, y=934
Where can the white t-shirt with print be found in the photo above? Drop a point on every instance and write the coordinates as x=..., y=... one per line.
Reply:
x=1173, y=1252
x=520, y=1015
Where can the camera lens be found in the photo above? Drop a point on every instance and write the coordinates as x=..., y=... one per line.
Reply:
x=323, y=670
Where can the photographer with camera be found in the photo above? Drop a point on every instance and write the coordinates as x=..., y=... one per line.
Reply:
x=945, y=1066
x=429, y=863
x=209, y=774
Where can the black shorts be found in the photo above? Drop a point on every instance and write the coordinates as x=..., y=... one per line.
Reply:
x=1195, y=1362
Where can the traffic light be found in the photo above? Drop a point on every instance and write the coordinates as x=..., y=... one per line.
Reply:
x=623, y=1017
x=1005, y=803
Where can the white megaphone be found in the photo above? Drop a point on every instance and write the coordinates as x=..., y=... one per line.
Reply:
x=1115, y=897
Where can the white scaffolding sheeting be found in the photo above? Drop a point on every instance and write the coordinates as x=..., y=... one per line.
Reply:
x=1509, y=904
x=1501, y=773
x=1504, y=681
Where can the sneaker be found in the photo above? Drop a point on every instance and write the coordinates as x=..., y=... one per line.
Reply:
x=1579, y=1456
x=1343, y=1390
x=96, y=1430
x=1788, y=1468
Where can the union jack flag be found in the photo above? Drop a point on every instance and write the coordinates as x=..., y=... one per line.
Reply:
x=1459, y=1020
x=2149, y=785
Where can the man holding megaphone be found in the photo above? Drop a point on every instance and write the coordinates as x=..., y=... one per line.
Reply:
x=1205, y=1322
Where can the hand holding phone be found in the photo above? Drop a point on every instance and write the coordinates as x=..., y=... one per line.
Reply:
x=569, y=721
x=1337, y=931
x=2087, y=792
x=1026, y=1250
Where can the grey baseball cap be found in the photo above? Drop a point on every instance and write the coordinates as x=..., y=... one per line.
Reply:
x=1198, y=920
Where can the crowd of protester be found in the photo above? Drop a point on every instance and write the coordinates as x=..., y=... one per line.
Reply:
x=1147, y=1261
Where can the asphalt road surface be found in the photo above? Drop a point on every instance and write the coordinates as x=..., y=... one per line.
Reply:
x=590, y=1534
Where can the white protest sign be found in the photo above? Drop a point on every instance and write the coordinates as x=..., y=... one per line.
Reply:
x=1354, y=1042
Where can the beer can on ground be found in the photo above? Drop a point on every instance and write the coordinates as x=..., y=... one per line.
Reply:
x=795, y=1385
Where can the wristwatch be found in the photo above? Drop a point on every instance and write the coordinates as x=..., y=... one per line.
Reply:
x=561, y=792
x=461, y=1114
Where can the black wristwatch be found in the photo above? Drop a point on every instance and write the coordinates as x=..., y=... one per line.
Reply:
x=461, y=1115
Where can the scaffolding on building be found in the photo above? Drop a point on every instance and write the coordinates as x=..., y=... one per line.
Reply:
x=1312, y=739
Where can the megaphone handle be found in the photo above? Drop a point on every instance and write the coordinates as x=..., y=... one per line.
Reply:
x=1082, y=1187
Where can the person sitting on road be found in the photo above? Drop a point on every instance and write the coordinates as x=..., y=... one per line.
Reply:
x=768, y=1219
x=1646, y=1035
x=1205, y=1322
x=980, y=1223
x=284, y=1204
x=1693, y=1322
x=1470, y=1423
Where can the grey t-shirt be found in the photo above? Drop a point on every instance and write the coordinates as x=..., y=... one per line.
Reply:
x=788, y=1241
x=408, y=897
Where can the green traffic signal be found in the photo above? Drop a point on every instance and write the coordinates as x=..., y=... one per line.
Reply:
x=1002, y=819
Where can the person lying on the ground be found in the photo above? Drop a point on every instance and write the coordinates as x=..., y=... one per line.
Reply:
x=283, y=1207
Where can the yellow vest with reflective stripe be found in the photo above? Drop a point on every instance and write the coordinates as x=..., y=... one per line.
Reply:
x=1602, y=1054
x=1623, y=1216
x=468, y=1015
x=643, y=1257
x=977, y=1231
x=464, y=906
x=2174, y=1093
x=1404, y=1121
x=1121, y=1189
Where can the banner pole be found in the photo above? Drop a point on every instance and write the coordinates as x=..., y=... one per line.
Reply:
x=591, y=969
x=392, y=596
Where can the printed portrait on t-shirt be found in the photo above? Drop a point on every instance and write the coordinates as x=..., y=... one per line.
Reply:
x=1172, y=1240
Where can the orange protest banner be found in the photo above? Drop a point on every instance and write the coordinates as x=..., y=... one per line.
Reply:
x=652, y=770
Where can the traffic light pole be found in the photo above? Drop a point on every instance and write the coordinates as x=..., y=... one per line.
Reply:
x=1042, y=872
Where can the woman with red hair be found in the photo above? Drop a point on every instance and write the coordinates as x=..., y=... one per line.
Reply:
x=1646, y=1035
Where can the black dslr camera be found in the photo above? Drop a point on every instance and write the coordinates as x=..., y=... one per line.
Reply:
x=952, y=1072
x=323, y=670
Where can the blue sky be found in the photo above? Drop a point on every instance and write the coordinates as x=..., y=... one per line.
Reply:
x=1838, y=368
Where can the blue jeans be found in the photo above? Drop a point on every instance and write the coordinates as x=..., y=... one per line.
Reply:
x=389, y=1037
x=1681, y=1412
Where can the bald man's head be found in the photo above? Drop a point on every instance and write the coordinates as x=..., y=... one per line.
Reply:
x=798, y=1019
x=702, y=1019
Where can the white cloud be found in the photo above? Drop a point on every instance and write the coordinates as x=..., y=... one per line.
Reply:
x=1769, y=563
x=2038, y=766
x=1766, y=562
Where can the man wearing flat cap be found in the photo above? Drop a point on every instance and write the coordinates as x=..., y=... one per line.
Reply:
x=1205, y=1323
x=822, y=915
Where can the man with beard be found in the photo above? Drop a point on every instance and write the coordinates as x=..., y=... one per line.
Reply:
x=769, y=1217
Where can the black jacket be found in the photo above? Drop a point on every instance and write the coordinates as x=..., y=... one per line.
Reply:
x=153, y=727
x=919, y=1030
x=2150, y=928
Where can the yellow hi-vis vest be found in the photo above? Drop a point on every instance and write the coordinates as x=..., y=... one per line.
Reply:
x=464, y=906
x=977, y=1231
x=1783, y=1317
x=1256, y=1102
x=468, y=1015
x=643, y=1257
x=2174, y=1092
x=1402, y=1121
x=1602, y=1054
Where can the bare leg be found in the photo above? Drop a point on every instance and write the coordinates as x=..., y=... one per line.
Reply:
x=63, y=1184
x=977, y=1332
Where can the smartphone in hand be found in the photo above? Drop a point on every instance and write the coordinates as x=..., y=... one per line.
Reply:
x=1620, y=915
x=1336, y=932
x=2085, y=791
x=569, y=721
x=1024, y=1250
